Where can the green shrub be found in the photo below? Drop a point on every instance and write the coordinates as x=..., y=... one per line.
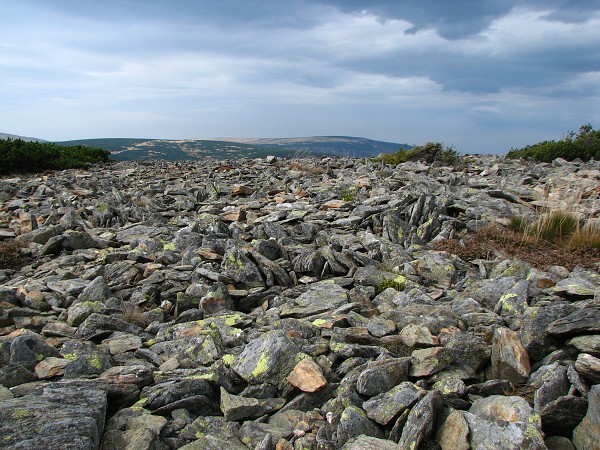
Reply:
x=585, y=145
x=348, y=195
x=429, y=153
x=398, y=283
x=20, y=156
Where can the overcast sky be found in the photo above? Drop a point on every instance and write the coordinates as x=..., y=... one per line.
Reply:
x=480, y=75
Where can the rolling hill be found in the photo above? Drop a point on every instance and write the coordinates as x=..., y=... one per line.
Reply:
x=127, y=149
x=124, y=149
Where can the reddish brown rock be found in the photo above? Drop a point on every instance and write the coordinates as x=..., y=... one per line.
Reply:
x=307, y=376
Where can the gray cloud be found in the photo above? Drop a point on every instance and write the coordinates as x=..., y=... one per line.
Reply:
x=508, y=72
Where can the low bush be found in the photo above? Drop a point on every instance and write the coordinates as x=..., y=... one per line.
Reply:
x=20, y=156
x=429, y=153
x=11, y=256
x=584, y=145
x=581, y=248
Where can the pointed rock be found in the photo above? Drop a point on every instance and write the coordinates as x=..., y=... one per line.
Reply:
x=509, y=358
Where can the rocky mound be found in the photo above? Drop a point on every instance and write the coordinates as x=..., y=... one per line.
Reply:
x=270, y=304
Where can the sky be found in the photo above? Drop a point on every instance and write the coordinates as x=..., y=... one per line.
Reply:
x=482, y=76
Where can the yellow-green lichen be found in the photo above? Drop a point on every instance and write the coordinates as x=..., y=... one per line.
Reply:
x=70, y=356
x=94, y=361
x=139, y=406
x=300, y=356
x=261, y=366
x=319, y=322
x=20, y=414
x=169, y=246
x=228, y=359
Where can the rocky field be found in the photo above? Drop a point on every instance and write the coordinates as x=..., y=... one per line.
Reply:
x=293, y=304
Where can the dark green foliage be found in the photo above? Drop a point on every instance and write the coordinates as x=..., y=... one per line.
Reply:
x=429, y=153
x=20, y=156
x=585, y=145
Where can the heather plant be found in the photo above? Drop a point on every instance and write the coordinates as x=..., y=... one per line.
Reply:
x=11, y=256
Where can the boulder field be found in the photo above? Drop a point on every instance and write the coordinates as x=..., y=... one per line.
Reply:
x=293, y=304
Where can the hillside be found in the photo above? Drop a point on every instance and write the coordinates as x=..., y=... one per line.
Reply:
x=23, y=138
x=127, y=149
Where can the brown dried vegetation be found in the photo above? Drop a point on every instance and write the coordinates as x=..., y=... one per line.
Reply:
x=495, y=241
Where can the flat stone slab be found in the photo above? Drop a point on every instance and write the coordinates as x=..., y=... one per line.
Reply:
x=65, y=418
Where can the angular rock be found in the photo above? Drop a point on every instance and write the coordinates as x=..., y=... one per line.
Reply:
x=59, y=418
x=383, y=408
x=427, y=361
x=454, y=432
x=421, y=420
x=582, y=321
x=381, y=376
x=509, y=358
x=586, y=434
x=589, y=367
x=307, y=376
x=502, y=408
x=235, y=407
x=370, y=443
x=507, y=436
x=268, y=358
x=353, y=423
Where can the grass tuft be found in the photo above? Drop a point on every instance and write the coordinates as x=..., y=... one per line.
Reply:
x=554, y=226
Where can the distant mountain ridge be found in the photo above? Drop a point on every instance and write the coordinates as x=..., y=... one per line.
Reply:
x=125, y=149
x=128, y=149
x=23, y=138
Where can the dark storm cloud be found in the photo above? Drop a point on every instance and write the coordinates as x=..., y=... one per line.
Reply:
x=466, y=71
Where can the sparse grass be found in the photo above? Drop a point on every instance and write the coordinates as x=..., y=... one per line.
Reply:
x=135, y=315
x=518, y=223
x=586, y=236
x=307, y=167
x=11, y=256
x=554, y=226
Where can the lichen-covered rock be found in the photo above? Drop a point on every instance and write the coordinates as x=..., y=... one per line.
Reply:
x=235, y=407
x=241, y=269
x=267, y=359
x=502, y=408
x=66, y=418
x=508, y=435
x=383, y=408
x=586, y=434
x=296, y=313
x=421, y=420
x=354, y=422
x=381, y=376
